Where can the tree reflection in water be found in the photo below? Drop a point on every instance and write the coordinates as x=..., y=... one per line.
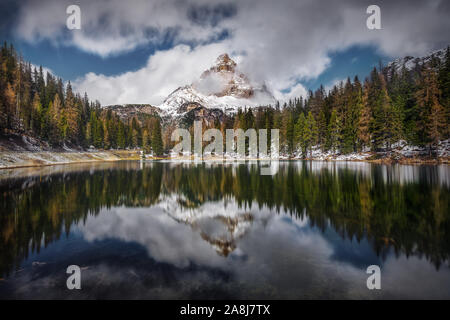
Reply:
x=404, y=208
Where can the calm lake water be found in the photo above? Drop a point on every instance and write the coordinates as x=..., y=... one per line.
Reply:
x=183, y=230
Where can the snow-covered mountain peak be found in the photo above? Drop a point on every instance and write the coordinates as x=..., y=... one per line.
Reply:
x=222, y=86
x=410, y=62
x=224, y=63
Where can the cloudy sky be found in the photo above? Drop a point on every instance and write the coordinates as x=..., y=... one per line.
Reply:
x=139, y=51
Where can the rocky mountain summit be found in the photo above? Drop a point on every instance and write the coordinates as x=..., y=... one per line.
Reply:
x=222, y=89
x=223, y=79
x=409, y=62
x=128, y=111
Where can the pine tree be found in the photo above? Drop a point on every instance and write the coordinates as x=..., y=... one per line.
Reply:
x=3, y=117
x=436, y=125
x=432, y=123
x=386, y=121
x=444, y=86
x=72, y=115
x=268, y=126
x=41, y=88
x=299, y=133
x=298, y=108
x=392, y=129
x=55, y=126
x=106, y=135
x=145, y=141
x=88, y=134
x=134, y=137
x=310, y=132
x=157, y=144
x=365, y=119
x=322, y=130
x=333, y=135
x=287, y=131
x=355, y=112
x=121, y=139
x=98, y=134
x=10, y=107
x=36, y=115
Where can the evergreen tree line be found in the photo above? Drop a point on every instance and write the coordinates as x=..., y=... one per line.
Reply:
x=392, y=104
x=43, y=107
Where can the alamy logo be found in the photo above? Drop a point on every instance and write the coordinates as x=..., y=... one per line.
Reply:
x=374, y=280
x=235, y=144
x=74, y=280
x=74, y=19
x=374, y=20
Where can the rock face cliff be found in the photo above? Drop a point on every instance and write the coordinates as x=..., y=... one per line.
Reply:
x=129, y=111
x=223, y=79
x=221, y=90
x=410, y=63
x=221, y=87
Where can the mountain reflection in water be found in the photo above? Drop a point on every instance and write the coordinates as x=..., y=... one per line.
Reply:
x=184, y=230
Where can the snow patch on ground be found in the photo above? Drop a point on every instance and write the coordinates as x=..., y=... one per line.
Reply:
x=317, y=154
x=399, y=150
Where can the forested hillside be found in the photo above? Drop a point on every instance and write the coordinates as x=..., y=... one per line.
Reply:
x=396, y=102
x=41, y=106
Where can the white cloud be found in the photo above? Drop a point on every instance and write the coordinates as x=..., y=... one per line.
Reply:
x=110, y=27
x=295, y=92
x=163, y=73
x=278, y=42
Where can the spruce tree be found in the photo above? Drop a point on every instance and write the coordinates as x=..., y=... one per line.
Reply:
x=432, y=123
x=333, y=135
x=72, y=114
x=322, y=130
x=145, y=141
x=55, y=128
x=121, y=139
x=310, y=132
x=444, y=86
x=299, y=133
x=364, y=119
x=157, y=144
x=36, y=115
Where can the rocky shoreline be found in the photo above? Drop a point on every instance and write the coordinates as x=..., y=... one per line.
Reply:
x=25, y=158
x=19, y=159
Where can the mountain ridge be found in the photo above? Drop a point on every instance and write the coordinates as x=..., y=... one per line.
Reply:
x=222, y=88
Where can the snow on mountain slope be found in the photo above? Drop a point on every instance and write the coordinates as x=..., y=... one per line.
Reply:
x=228, y=104
x=411, y=62
x=223, y=89
x=224, y=79
x=220, y=87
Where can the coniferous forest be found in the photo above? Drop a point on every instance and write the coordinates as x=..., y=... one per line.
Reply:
x=393, y=103
x=42, y=106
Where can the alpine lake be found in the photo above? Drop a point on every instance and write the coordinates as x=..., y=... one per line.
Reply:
x=222, y=230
